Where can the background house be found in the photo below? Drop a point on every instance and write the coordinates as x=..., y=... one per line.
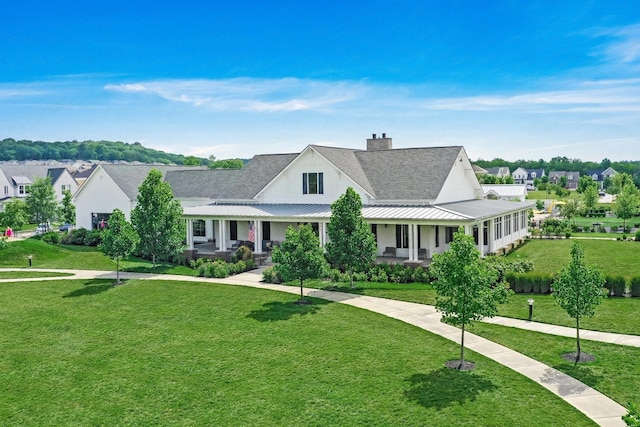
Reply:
x=573, y=178
x=527, y=177
x=512, y=192
x=15, y=180
x=599, y=175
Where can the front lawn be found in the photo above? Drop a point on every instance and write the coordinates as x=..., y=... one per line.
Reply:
x=176, y=353
x=615, y=372
x=46, y=255
x=618, y=258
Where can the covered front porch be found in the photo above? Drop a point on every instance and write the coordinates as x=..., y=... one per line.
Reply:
x=404, y=234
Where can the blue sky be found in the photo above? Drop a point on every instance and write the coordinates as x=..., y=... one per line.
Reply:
x=516, y=80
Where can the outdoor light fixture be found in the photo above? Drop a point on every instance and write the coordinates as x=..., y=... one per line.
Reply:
x=30, y=259
x=530, y=301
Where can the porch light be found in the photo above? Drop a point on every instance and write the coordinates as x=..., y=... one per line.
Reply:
x=530, y=301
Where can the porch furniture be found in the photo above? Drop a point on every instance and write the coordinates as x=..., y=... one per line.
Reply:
x=423, y=253
x=390, y=252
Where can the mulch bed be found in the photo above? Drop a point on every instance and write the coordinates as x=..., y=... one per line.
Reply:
x=455, y=364
x=584, y=357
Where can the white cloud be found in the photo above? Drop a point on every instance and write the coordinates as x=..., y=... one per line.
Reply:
x=246, y=94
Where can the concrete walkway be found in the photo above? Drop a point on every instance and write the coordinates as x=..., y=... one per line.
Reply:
x=601, y=409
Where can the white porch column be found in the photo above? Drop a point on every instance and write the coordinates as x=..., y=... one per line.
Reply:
x=481, y=237
x=412, y=251
x=467, y=230
x=222, y=235
x=416, y=252
x=257, y=245
x=190, y=233
x=322, y=233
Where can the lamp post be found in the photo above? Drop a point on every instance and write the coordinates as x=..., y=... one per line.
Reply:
x=30, y=259
x=530, y=301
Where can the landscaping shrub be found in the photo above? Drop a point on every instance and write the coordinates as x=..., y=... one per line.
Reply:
x=616, y=285
x=51, y=237
x=271, y=275
x=634, y=284
x=529, y=282
x=218, y=269
x=637, y=236
x=243, y=253
x=75, y=237
x=3, y=242
x=93, y=238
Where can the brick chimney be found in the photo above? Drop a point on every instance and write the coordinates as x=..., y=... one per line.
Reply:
x=376, y=143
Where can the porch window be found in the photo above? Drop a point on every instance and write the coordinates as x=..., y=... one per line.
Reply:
x=507, y=224
x=523, y=219
x=199, y=228
x=497, y=228
x=233, y=230
x=437, y=236
x=402, y=236
x=374, y=231
x=313, y=183
x=448, y=234
x=266, y=230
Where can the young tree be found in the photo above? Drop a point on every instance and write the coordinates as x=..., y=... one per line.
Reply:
x=118, y=240
x=578, y=289
x=590, y=197
x=67, y=212
x=41, y=200
x=626, y=204
x=570, y=209
x=15, y=214
x=351, y=244
x=300, y=256
x=157, y=218
x=466, y=286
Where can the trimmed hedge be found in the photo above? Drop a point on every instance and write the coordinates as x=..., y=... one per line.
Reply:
x=220, y=268
x=527, y=283
x=634, y=285
x=616, y=285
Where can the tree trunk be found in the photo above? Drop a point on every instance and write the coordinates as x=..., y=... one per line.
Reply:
x=578, y=338
x=153, y=257
x=301, y=285
x=461, y=349
x=117, y=271
x=351, y=277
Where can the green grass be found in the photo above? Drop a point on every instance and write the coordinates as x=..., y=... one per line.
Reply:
x=543, y=195
x=615, y=372
x=606, y=221
x=611, y=256
x=30, y=273
x=171, y=353
x=46, y=255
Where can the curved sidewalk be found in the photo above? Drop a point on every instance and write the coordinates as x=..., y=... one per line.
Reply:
x=601, y=409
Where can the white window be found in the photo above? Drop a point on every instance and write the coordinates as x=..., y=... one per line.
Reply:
x=23, y=189
x=497, y=225
x=199, y=228
x=312, y=183
x=65, y=188
x=6, y=189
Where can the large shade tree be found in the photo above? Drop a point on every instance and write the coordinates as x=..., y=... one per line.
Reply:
x=351, y=245
x=467, y=287
x=41, y=200
x=119, y=239
x=578, y=289
x=300, y=256
x=157, y=218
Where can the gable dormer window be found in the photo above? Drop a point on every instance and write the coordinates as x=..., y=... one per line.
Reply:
x=312, y=183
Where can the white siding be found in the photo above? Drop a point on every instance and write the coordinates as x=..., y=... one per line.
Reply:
x=99, y=194
x=287, y=187
x=461, y=184
x=67, y=180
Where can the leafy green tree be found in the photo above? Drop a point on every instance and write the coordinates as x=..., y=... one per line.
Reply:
x=539, y=205
x=41, y=200
x=351, y=245
x=300, y=256
x=119, y=239
x=225, y=164
x=192, y=161
x=15, y=214
x=570, y=209
x=67, y=212
x=590, y=197
x=466, y=286
x=632, y=418
x=157, y=218
x=626, y=204
x=578, y=289
x=562, y=182
x=618, y=182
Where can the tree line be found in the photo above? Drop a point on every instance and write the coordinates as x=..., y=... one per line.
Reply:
x=10, y=149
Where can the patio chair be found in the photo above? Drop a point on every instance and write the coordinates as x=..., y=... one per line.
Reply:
x=390, y=252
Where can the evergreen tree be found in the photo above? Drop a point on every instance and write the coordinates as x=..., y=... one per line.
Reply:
x=41, y=200
x=351, y=244
x=157, y=218
x=578, y=289
x=118, y=240
x=465, y=285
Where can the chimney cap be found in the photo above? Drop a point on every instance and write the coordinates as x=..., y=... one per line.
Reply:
x=374, y=136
